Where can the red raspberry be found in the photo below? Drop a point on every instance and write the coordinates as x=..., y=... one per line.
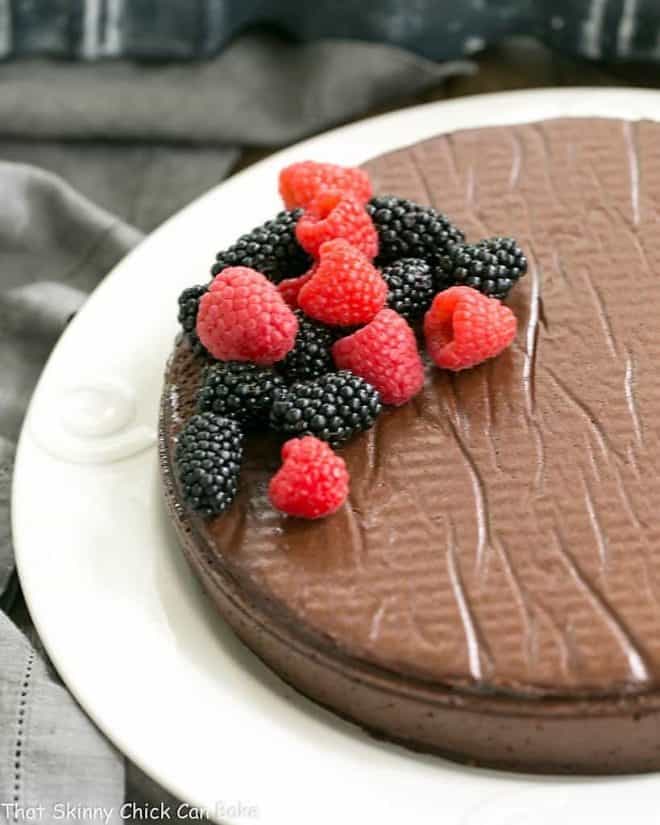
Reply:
x=346, y=288
x=301, y=182
x=290, y=287
x=243, y=317
x=464, y=328
x=332, y=215
x=385, y=354
x=312, y=482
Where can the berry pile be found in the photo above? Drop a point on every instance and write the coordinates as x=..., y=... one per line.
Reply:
x=308, y=319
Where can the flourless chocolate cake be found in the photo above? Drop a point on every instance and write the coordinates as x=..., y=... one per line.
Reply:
x=491, y=591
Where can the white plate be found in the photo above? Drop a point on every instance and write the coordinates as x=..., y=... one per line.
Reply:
x=128, y=627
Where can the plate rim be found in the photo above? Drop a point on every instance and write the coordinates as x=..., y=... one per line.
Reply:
x=580, y=97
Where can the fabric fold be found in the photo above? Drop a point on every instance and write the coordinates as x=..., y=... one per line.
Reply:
x=261, y=91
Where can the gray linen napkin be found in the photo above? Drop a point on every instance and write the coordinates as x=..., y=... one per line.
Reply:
x=142, y=141
x=51, y=754
x=54, y=247
x=137, y=143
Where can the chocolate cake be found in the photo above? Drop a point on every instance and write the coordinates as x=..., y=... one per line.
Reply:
x=491, y=591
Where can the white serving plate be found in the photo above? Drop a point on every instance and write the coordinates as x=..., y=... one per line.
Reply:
x=123, y=619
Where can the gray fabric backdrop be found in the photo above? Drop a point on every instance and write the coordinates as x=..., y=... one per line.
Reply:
x=91, y=159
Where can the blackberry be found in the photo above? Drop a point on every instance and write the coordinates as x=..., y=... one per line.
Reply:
x=311, y=355
x=208, y=455
x=271, y=249
x=239, y=390
x=492, y=266
x=332, y=407
x=408, y=230
x=411, y=288
x=188, y=307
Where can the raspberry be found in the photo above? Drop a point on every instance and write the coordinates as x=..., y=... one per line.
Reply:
x=238, y=390
x=346, y=288
x=408, y=230
x=244, y=318
x=332, y=215
x=301, y=182
x=411, y=290
x=208, y=456
x=311, y=355
x=333, y=407
x=290, y=287
x=188, y=308
x=464, y=328
x=492, y=266
x=271, y=249
x=385, y=354
x=312, y=482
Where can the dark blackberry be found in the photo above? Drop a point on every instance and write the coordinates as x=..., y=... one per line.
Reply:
x=311, y=355
x=492, y=266
x=410, y=282
x=271, y=249
x=239, y=390
x=208, y=456
x=408, y=230
x=188, y=307
x=332, y=407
